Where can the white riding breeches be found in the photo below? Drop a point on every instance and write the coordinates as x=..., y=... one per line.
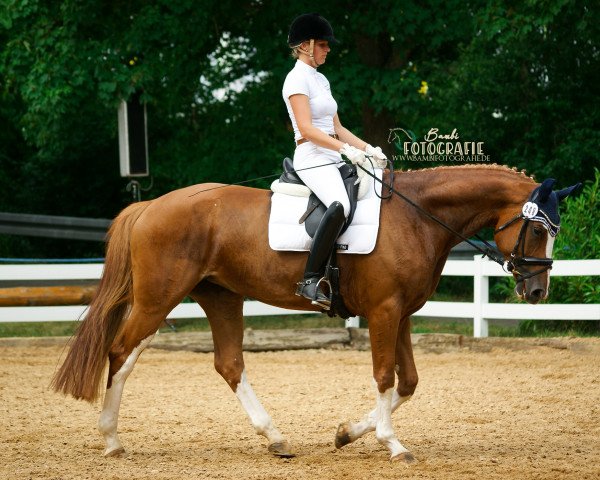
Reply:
x=318, y=169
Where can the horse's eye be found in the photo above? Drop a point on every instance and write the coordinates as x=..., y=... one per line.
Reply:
x=538, y=231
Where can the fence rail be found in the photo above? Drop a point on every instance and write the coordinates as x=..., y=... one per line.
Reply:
x=480, y=310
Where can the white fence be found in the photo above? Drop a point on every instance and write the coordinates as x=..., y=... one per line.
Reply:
x=480, y=310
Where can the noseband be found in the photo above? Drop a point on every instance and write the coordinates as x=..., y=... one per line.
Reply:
x=521, y=260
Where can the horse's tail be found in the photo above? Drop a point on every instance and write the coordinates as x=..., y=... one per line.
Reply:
x=81, y=372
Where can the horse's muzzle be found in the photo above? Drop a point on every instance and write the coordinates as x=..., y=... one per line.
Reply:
x=532, y=295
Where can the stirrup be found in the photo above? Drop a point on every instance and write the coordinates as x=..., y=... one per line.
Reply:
x=317, y=297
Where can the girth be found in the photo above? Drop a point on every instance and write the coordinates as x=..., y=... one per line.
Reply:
x=315, y=208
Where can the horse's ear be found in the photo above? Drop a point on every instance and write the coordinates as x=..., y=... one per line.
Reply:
x=544, y=190
x=572, y=190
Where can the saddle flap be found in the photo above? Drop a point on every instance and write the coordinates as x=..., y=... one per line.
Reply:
x=316, y=209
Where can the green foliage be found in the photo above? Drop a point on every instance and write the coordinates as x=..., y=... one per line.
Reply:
x=520, y=78
x=579, y=238
x=580, y=224
x=526, y=84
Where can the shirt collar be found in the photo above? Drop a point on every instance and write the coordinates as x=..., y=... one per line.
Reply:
x=305, y=67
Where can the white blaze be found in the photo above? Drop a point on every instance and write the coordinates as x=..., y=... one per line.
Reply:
x=549, y=248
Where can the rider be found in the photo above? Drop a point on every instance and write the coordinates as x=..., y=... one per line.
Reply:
x=320, y=139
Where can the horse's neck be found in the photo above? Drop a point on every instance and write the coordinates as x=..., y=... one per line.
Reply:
x=469, y=199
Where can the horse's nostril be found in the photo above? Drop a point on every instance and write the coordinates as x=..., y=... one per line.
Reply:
x=537, y=294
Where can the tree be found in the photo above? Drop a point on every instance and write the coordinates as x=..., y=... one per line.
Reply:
x=528, y=84
x=507, y=76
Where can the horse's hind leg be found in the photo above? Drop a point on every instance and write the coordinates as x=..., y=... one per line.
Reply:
x=135, y=336
x=224, y=310
x=154, y=297
x=405, y=365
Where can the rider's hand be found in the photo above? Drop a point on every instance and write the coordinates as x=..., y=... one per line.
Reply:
x=353, y=154
x=378, y=157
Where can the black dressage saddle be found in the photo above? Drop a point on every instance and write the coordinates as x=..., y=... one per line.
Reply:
x=315, y=208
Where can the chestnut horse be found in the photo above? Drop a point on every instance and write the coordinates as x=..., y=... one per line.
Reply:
x=213, y=247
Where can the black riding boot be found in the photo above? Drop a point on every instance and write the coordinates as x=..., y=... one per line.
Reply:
x=323, y=243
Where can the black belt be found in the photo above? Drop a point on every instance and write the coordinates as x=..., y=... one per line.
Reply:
x=300, y=141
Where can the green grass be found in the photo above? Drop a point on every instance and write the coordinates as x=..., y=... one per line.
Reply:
x=54, y=329
x=271, y=322
x=37, y=329
x=419, y=325
x=460, y=327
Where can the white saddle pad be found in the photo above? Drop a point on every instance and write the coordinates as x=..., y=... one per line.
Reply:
x=286, y=234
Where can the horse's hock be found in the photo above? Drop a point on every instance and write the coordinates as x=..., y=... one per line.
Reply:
x=484, y=408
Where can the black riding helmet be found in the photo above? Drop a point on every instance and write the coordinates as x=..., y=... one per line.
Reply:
x=310, y=26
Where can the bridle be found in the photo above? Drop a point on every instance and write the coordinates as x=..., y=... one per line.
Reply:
x=516, y=260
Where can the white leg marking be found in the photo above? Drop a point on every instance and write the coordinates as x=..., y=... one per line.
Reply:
x=549, y=248
x=263, y=425
x=107, y=423
x=369, y=421
x=384, y=429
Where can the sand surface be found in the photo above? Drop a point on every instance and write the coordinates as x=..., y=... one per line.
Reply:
x=522, y=412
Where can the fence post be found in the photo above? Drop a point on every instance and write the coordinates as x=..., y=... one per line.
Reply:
x=480, y=297
x=353, y=322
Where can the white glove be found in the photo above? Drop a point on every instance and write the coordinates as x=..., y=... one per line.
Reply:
x=378, y=157
x=353, y=154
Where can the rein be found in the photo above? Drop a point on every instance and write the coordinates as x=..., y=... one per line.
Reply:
x=490, y=251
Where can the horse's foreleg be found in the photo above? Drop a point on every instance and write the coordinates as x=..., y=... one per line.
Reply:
x=349, y=432
x=224, y=311
x=261, y=421
x=384, y=355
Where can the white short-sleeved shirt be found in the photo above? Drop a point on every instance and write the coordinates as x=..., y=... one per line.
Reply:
x=304, y=79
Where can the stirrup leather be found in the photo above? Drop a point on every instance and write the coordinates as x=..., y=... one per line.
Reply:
x=317, y=298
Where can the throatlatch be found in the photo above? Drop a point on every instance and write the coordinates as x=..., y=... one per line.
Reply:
x=320, y=251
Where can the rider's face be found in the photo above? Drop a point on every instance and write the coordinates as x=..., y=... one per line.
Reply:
x=320, y=50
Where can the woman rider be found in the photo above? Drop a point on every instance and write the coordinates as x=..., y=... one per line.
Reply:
x=320, y=141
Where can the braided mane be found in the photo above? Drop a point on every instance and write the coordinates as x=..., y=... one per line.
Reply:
x=474, y=166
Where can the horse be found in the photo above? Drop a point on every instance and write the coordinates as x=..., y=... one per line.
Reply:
x=209, y=242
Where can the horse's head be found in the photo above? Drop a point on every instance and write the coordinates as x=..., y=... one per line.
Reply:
x=527, y=238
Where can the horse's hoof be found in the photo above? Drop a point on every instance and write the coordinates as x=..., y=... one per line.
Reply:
x=342, y=436
x=281, y=449
x=404, y=457
x=116, y=452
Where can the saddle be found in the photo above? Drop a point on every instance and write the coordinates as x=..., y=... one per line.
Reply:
x=315, y=208
x=312, y=217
